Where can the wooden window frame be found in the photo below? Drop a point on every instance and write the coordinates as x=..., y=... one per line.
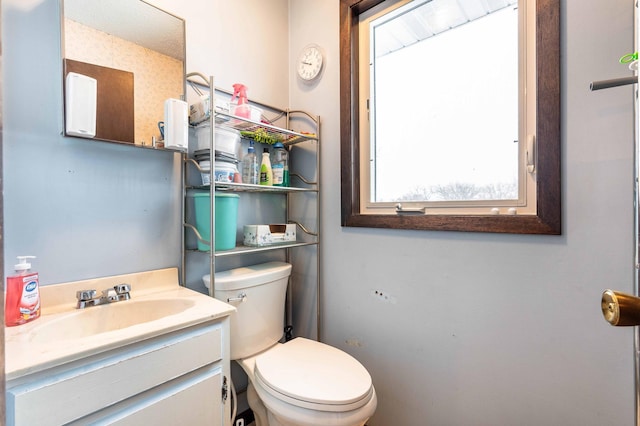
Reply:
x=547, y=219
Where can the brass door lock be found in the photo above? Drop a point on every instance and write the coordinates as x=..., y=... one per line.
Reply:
x=620, y=309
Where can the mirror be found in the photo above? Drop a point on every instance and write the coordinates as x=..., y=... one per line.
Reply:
x=136, y=52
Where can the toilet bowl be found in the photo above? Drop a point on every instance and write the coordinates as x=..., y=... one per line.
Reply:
x=298, y=383
x=304, y=382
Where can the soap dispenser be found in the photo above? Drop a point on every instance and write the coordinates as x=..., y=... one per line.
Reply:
x=22, y=299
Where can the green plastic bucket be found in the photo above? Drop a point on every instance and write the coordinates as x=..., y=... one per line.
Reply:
x=226, y=219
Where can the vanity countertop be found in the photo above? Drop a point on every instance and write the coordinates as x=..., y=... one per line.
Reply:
x=63, y=333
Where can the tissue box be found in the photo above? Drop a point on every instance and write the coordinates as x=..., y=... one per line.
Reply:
x=264, y=235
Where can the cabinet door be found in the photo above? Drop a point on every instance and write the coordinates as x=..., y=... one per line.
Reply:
x=91, y=384
x=194, y=399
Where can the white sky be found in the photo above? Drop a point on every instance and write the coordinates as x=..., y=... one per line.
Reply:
x=450, y=108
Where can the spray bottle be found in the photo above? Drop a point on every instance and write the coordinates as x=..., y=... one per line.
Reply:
x=23, y=296
x=242, y=108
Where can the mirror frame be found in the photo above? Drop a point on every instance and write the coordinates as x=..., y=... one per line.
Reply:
x=547, y=219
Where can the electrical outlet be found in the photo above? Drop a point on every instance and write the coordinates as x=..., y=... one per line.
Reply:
x=239, y=422
x=383, y=296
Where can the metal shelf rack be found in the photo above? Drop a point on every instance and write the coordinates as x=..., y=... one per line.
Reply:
x=249, y=128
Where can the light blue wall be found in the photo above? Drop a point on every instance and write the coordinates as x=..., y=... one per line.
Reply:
x=87, y=208
x=493, y=329
x=90, y=209
x=84, y=208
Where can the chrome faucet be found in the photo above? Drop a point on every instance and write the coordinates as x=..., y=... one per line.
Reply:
x=87, y=298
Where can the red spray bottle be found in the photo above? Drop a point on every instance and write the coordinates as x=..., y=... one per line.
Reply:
x=242, y=108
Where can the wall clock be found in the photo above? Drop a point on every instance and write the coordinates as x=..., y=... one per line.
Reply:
x=310, y=63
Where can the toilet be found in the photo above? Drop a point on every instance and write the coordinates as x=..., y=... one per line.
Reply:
x=298, y=383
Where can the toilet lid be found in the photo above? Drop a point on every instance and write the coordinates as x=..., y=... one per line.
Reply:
x=311, y=372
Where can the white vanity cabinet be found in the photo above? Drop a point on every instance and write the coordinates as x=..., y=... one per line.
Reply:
x=160, y=358
x=172, y=379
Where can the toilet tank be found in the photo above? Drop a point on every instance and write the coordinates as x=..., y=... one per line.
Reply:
x=258, y=322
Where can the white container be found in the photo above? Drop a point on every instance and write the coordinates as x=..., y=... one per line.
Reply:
x=225, y=172
x=247, y=111
x=227, y=140
x=205, y=165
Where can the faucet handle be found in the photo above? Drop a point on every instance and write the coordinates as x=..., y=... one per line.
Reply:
x=85, y=295
x=122, y=288
x=110, y=295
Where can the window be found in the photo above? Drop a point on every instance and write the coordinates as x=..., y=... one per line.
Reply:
x=460, y=157
x=430, y=63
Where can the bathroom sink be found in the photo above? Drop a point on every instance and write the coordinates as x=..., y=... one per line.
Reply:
x=105, y=318
x=63, y=333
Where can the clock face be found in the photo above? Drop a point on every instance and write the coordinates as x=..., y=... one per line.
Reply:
x=310, y=63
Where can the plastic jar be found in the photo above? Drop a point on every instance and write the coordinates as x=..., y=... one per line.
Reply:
x=227, y=140
x=205, y=165
x=225, y=171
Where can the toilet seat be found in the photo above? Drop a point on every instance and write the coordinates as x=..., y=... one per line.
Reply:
x=313, y=375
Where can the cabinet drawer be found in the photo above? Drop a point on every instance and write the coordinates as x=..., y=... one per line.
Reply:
x=95, y=383
x=193, y=399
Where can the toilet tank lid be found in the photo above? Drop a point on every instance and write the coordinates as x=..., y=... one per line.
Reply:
x=253, y=275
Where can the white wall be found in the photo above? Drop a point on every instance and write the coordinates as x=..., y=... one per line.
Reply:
x=237, y=42
x=493, y=329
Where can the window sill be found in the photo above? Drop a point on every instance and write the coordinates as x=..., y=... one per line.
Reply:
x=511, y=224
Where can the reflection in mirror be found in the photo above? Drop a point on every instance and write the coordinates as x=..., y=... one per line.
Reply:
x=116, y=38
